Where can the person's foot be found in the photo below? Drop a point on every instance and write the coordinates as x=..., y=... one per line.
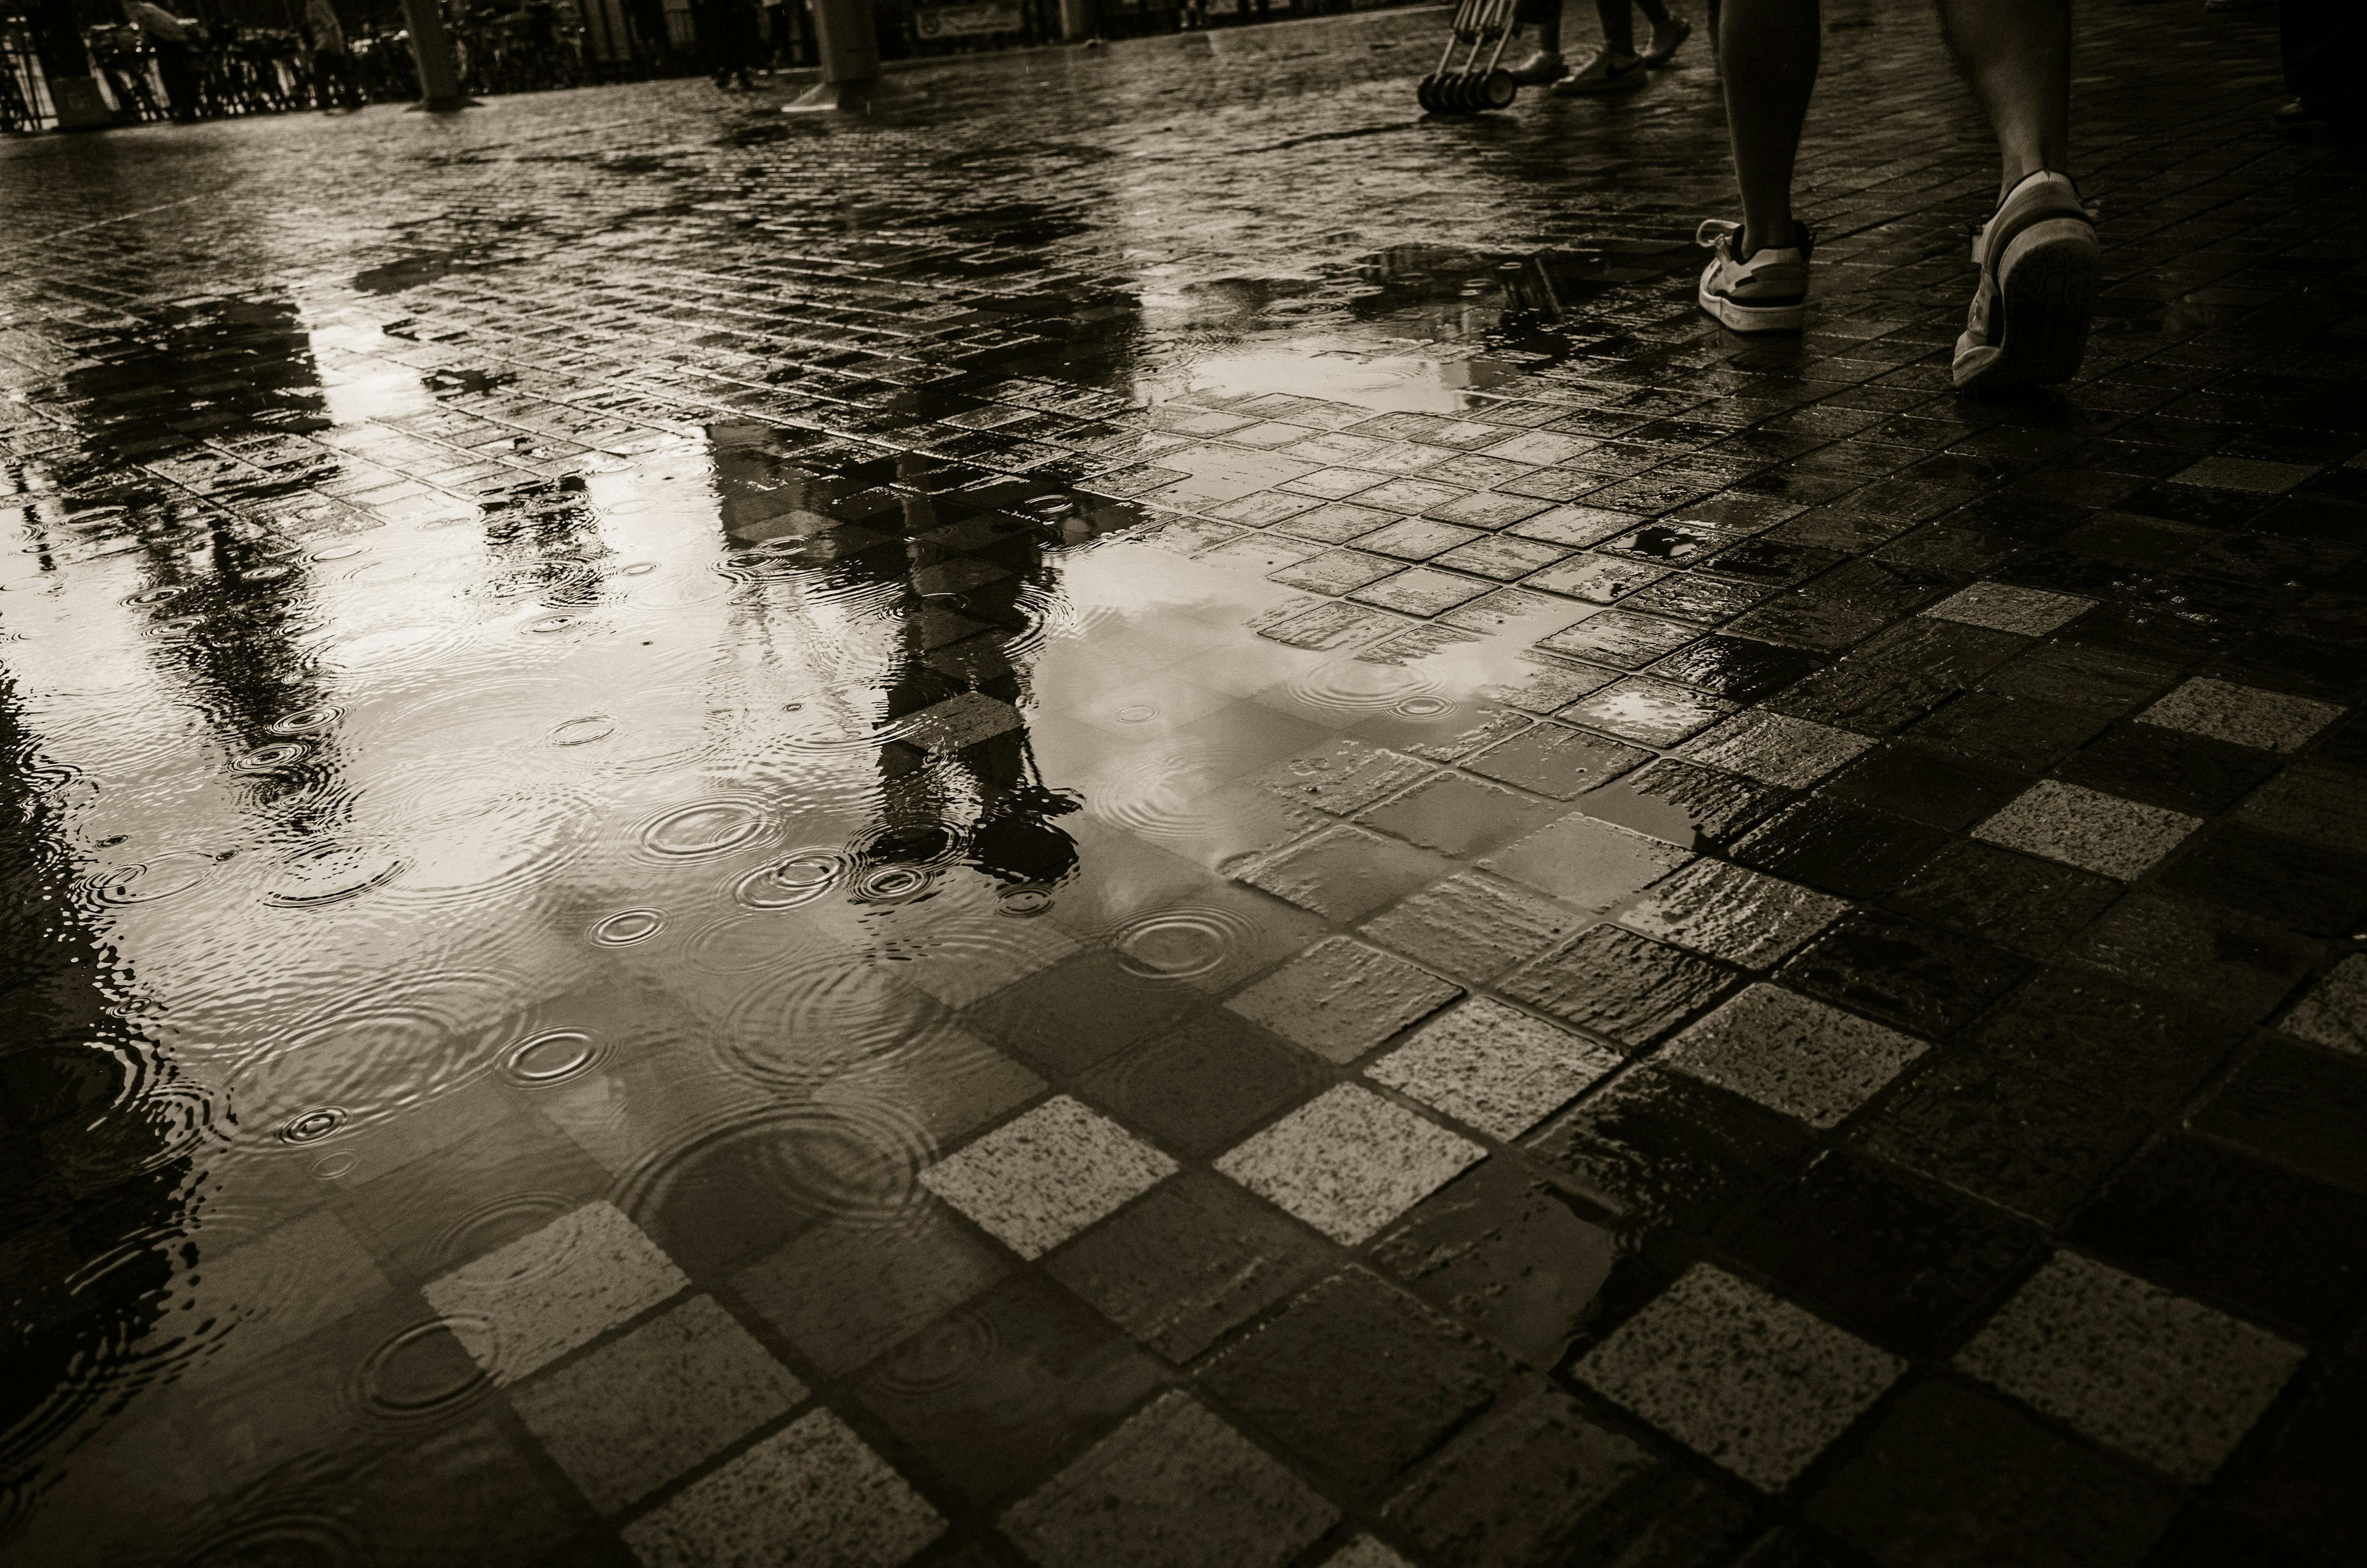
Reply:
x=1766, y=291
x=1667, y=39
x=1541, y=65
x=2293, y=119
x=1605, y=72
x=2040, y=269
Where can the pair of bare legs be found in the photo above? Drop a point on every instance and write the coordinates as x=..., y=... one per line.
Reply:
x=2015, y=53
x=1618, y=20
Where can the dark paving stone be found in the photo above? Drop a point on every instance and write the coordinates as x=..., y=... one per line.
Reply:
x=1892, y=680
x=2024, y=733
x=843, y=1292
x=2164, y=767
x=2321, y=805
x=1950, y=1475
x=2022, y=1141
x=1557, y=761
x=2033, y=906
x=2308, y=889
x=1357, y=1380
x=2302, y=1486
x=1801, y=621
x=1199, y=1087
x=1194, y=1259
x=1621, y=986
x=1929, y=982
x=1656, y=1148
x=2100, y=1036
x=1079, y=1011
x=2099, y=681
x=2274, y=1247
x=1926, y=784
x=1459, y=815
x=1682, y=803
x=1907, y=1264
x=1737, y=668
x=1543, y=1482
x=1840, y=846
x=2296, y=1107
x=1001, y=1391
x=1504, y=1251
x=2211, y=955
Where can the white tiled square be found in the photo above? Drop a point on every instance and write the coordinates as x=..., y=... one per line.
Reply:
x=2334, y=1012
x=1036, y=1181
x=1348, y=1162
x=1793, y=753
x=525, y=1304
x=2245, y=716
x=2002, y=607
x=2088, y=828
x=638, y=1411
x=812, y=1492
x=1174, y=1487
x=1493, y=1067
x=1727, y=911
x=1793, y=1055
x=2133, y=1365
x=1741, y=1377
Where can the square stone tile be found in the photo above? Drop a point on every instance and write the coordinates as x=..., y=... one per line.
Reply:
x=1493, y=1067
x=1557, y=762
x=1357, y=1380
x=642, y=1409
x=811, y=1491
x=1474, y=927
x=1348, y=1162
x=1198, y=1086
x=1741, y=1377
x=2002, y=607
x=1502, y=1250
x=2334, y=1011
x=1193, y=1262
x=1340, y=997
x=1621, y=986
x=2245, y=716
x=1174, y=1487
x=1003, y=1389
x=1731, y=912
x=1343, y=776
x=1344, y=872
x=1619, y=637
x=2028, y=1144
x=1417, y=538
x=1648, y=712
x=1034, y=1182
x=1458, y=815
x=1773, y=749
x=2088, y=828
x=1078, y=1011
x=1501, y=557
x=848, y=1290
x=1586, y=862
x=524, y=1306
x=1793, y=1055
x=2133, y=1366
x=1420, y=591
x=2244, y=473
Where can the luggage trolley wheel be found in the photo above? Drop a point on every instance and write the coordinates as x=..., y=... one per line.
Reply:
x=1496, y=90
x=1425, y=93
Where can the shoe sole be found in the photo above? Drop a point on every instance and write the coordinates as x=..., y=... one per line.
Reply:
x=1735, y=316
x=2048, y=280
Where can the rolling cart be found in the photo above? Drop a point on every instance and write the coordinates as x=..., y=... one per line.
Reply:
x=1470, y=77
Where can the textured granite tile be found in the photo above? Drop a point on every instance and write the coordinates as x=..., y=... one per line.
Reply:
x=2088, y=828
x=1793, y=1055
x=811, y=1490
x=1034, y=1182
x=2001, y=606
x=1729, y=911
x=1473, y=926
x=2245, y=716
x=1493, y=1067
x=1348, y=1162
x=525, y=1304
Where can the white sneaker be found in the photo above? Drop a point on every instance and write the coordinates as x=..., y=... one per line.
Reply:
x=1767, y=292
x=1540, y=67
x=1666, y=42
x=2041, y=270
x=1603, y=73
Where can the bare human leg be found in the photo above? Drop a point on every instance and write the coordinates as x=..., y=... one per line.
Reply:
x=2016, y=55
x=1768, y=56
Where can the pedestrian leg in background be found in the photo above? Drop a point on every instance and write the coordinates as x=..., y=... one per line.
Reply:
x=1618, y=65
x=2324, y=48
x=1543, y=63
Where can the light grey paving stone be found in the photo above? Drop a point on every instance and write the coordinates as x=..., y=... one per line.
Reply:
x=1365, y=1552
x=2244, y=715
x=642, y=1409
x=1793, y=1055
x=1729, y=911
x=1174, y=1487
x=525, y=1304
x=1474, y=927
x=1587, y=861
x=2135, y=1367
x=1035, y=1183
x=1739, y=1376
x=1348, y=1162
x=2244, y=473
x=1775, y=749
x=1341, y=997
x=2334, y=1012
x=812, y=1492
x=2002, y=607
x=2088, y=828
x=1493, y=1067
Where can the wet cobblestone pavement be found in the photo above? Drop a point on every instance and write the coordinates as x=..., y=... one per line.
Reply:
x=1144, y=817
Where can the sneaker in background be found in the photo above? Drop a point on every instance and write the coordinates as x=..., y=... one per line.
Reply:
x=1603, y=74
x=2041, y=271
x=1764, y=292
x=1540, y=67
x=1666, y=42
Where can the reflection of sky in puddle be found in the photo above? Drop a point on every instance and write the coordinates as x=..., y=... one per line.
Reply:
x=1383, y=383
